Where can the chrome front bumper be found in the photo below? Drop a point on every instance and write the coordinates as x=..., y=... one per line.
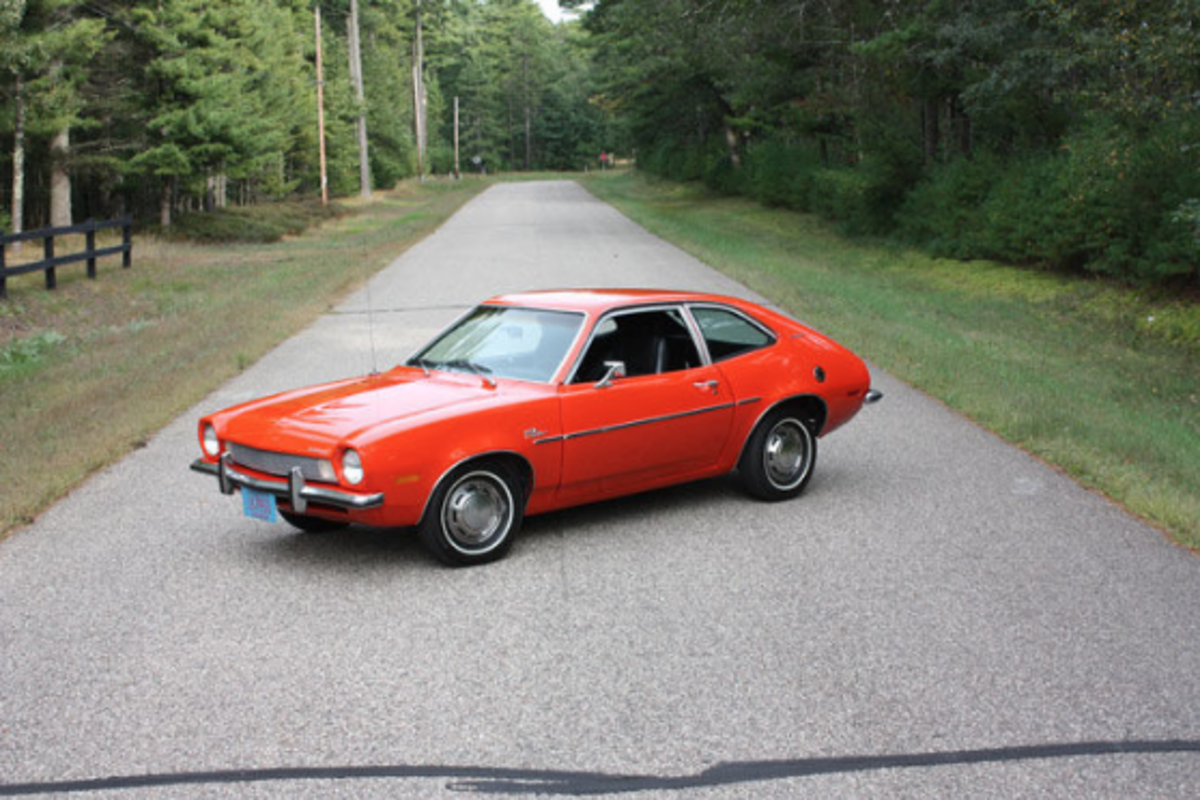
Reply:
x=295, y=490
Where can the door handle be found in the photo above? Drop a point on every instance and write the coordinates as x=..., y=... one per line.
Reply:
x=711, y=385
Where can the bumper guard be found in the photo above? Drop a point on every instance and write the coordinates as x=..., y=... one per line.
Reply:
x=295, y=491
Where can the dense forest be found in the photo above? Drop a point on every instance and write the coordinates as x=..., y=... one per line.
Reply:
x=161, y=106
x=1063, y=133
x=1048, y=132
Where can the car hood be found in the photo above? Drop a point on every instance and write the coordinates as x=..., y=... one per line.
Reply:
x=316, y=419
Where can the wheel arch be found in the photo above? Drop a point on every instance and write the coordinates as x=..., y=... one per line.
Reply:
x=521, y=467
x=810, y=408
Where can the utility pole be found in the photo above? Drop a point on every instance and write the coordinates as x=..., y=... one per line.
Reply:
x=364, y=163
x=421, y=130
x=321, y=110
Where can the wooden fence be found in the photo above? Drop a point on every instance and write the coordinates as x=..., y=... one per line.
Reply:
x=51, y=261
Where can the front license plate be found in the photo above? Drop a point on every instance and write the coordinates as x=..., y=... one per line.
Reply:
x=259, y=505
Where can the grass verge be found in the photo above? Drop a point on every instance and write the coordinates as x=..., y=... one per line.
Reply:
x=1099, y=380
x=91, y=370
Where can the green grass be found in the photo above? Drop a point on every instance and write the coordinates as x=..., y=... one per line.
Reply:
x=1100, y=380
x=91, y=370
x=262, y=223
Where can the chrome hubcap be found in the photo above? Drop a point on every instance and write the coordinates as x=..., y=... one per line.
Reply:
x=786, y=454
x=477, y=508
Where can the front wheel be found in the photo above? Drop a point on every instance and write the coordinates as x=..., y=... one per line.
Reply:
x=779, y=457
x=474, y=515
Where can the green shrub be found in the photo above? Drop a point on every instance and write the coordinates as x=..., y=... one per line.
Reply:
x=862, y=199
x=838, y=194
x=1018, y=220
x=720, y=175
x=945, y=212
x=692, y=167
x=781, y=172
x=1107, y=203
x=29, y=351
x=391, y=165
x=267, y=222
x=662, y=159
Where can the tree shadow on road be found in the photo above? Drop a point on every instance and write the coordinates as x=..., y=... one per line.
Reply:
x=499, y=780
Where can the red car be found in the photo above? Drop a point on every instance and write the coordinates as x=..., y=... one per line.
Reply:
x=538, y=401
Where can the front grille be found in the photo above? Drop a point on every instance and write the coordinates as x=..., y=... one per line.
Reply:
x=313, y=469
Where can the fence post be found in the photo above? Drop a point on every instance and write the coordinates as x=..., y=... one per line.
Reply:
x=3, y=274
x=90, y=238
x=51, y=274
x=127, y=240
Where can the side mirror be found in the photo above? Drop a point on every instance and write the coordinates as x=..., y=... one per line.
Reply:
x=614, y=370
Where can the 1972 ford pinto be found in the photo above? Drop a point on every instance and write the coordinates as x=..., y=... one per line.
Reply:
x=538, y=401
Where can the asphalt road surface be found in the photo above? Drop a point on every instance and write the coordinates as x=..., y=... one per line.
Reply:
x=939, y=615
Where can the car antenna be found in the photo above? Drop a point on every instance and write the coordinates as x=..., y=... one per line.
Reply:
x=370, y=315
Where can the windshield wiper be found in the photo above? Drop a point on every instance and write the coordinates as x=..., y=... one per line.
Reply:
x=422, y=363
x=483, y=372
x=456, y=364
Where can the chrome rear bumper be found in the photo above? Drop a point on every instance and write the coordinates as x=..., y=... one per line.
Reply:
x=295, y=490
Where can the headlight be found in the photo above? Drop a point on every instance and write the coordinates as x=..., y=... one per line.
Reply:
x=212, y=444
x=352, y=468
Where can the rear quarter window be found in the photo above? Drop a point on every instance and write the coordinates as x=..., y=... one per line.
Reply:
x=729, y=334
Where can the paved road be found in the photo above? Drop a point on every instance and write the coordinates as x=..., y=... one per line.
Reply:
x=939, y=615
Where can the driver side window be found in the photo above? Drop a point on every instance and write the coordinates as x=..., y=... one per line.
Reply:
x=647, y=342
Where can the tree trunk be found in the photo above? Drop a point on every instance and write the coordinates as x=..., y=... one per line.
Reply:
x=420, y=131
x=164, y=203
x=356, y=77
x=731, y=142
x=931, y=135
x=960, y=123
x=60, y=180
x=528, y=115
x=320, y=108
x=528, y=139
x=18, y=176
x=457, y=174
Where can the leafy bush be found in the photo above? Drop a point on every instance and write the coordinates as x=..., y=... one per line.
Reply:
x=945, y=212
x=1018, y=217
x=675, y=160
x=657, y=160
x=720, y=174
x=389, y=166
x=839, y=194
x=862, y=199
x=693, y=163
x=29, y=351
x=268, y=222
x=1107, y=203
x=781, y=172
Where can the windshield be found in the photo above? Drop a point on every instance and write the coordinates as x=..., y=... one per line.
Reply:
x=501, y=342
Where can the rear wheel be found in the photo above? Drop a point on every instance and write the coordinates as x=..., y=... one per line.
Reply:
x=779, y=457
x=474, y=514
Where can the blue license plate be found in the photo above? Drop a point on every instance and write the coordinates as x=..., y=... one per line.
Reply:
x=259, y=505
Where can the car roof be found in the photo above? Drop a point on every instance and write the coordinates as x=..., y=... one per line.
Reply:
x=597, y=301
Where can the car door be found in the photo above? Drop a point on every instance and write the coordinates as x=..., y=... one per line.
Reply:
x=666, y=418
